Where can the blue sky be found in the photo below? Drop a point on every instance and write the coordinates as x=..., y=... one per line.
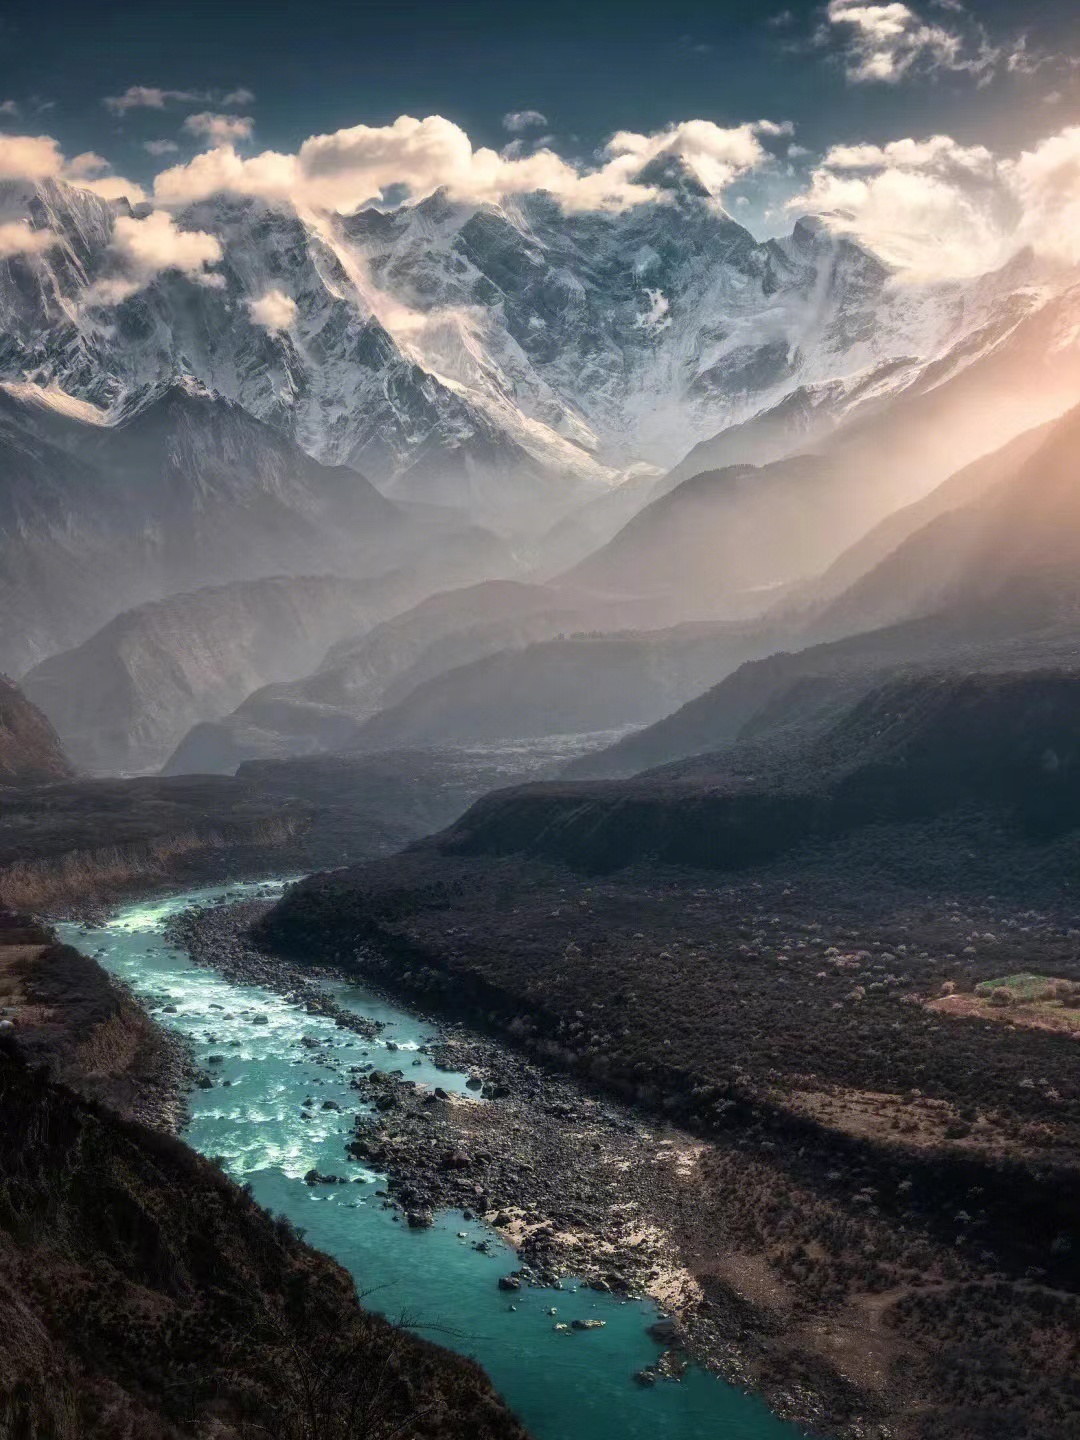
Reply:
x=850, y=71
x=590, y=68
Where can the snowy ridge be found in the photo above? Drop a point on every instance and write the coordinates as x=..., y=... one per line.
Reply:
x=512, y=359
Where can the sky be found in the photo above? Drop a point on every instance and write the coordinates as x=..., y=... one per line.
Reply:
x=135, y=90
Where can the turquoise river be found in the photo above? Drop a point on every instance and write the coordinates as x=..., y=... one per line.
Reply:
x=574, y=1386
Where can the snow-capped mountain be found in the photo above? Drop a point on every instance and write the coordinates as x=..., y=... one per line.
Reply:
x=511, y=359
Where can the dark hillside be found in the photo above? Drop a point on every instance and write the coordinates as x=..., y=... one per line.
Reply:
x=911, y=750
x=142, y=1294
x=787, y=950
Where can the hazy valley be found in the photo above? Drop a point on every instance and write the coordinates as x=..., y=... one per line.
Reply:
x=539, y=805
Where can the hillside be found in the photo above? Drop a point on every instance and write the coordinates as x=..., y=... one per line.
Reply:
x=365, y=673
x=123, y=699
x=186, y=490
x=963, y=488
x=912, y=748
x=784, y=950
x=567, y=686
x=142, y=1292
x=725, y=538
x=76, y=842
x=30, y=750
x=1024, y=529
x=985, y=576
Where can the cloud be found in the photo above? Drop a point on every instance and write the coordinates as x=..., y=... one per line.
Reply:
x=153, y=97
x=354, y=166
x=17, y=238
x=38, y=157
x=273, y=311
x=517, y=121
x=86, y=164
x=1046, y=182
x=219, y=129
x=884, y=42
x=774, y=128
x=114, y=187
x=160, y=147
x=9, y=108
x=145, y=97
x=29, y=157
x=937, y=209
x=144, y=248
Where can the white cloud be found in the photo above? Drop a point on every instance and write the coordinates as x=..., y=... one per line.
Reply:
x=29, y=157
x=273, y=311
x=17, y=238
x=144, y=248
x=160, y=147
x=238, y=97
x=219, y=129
x=145, y=97
x=38, y=157
x=86, y=164
x=344, y=170
x=775, y=128
x=886, y=41
x=1046, y=182
x=9, y=108
x=517, y=121
x=935, y=208
x=113, y=187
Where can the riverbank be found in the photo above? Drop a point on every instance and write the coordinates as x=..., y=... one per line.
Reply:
x=880, y=1193
x=277, y=1105
x=577, y=1185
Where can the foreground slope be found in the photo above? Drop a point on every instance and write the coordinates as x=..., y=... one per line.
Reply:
x=142, y=1292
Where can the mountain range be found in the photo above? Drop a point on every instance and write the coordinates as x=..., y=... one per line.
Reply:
x=491, y=470
x=509, y=359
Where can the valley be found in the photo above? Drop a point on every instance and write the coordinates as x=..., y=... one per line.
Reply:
x=540, y=769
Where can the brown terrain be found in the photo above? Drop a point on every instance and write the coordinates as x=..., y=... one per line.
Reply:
x=876, y=1202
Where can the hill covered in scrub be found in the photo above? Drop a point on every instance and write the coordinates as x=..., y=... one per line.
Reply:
x=86, y=840
x=788, y=949
x=912, y=749
x=143, y=1293
x=30, y=749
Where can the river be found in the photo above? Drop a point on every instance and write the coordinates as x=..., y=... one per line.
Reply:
x=278, y=1073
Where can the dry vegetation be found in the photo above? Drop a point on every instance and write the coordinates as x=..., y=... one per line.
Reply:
x=887, y=1189
x=142, y=1294
x=92, y=840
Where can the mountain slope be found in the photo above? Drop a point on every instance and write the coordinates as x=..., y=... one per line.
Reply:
x=572, y=685
x=123, y=698
x=724, y=533
x=30, y=749
x=1020, y=532
x=912, y=748
x=143, y=1293
x=186, y=490
x=993, y=583
x=960, y=489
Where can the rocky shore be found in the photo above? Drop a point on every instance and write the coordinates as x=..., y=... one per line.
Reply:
x=579, y=1185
